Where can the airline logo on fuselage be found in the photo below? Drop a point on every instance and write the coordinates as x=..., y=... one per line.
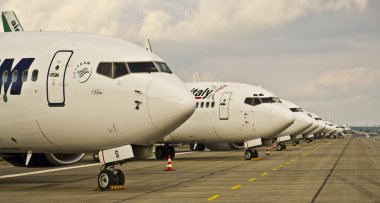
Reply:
x=7, y=73
x=15, y=25
x=206, y=93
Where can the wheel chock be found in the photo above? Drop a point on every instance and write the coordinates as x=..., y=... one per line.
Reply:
x=114, y=188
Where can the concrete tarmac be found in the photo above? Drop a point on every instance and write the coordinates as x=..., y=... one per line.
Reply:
x=338, y=170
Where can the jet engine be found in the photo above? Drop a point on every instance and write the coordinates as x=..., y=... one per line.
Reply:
x=42, y=160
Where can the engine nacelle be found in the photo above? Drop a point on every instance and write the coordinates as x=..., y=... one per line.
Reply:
x=225, y=146
x=42, y=160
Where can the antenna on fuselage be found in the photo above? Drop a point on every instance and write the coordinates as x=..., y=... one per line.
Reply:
x=147, y=45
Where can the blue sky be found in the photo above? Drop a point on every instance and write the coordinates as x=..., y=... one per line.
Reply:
x=321, y=54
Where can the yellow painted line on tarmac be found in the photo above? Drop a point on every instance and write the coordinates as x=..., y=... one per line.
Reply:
x=264, y=174
x=252, y=179
x=292, y=160
x=273, y=169
x=213, y=197
x=255, y=159
x=304, y=154
x=281, y=165
x=287, y=162
x=235, y=187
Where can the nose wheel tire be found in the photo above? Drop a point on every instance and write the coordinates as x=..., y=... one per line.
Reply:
x=249, y=154
x=106, y=178
x=120, y=177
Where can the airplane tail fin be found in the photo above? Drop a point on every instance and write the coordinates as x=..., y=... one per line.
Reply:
x=11, y=22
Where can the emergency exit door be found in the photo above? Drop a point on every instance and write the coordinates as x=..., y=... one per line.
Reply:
x=224, y=106
x=56, y=78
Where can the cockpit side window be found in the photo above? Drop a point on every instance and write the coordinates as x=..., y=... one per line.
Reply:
x=163, y=67
x=105, y=69
x=142, y=67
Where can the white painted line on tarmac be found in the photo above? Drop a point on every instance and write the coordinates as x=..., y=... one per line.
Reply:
x=48, y=170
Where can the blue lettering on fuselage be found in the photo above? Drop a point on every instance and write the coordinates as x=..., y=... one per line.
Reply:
x=21, y=66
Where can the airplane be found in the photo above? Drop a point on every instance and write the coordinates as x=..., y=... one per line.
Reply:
x=64, y=94
x=228, y=112
x=293, y=132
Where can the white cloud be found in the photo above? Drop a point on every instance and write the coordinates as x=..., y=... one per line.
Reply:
x=344, y=81
x=167, y=20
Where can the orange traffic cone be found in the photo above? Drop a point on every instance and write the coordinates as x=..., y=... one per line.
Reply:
x=169, y=166
x=268, y=152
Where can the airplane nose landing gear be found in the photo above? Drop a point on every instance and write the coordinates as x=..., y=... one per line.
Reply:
x=108, y=178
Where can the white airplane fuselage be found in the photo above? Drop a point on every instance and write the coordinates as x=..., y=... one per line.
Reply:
x=71, y=107
x=226, y=113
x=301, y=122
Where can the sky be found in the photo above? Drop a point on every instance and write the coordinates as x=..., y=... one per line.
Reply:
x=323, y=55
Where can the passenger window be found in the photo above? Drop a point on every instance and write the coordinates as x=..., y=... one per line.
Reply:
x=212, y=104
x=207, y=104
x=142, y=67
x=163, y=67
x=5, y=77
x=34, y=75
x=105, y=69
x=196, y=104
x=24, y=76
x=120, y=69
x=14, y=76
x=202, y=104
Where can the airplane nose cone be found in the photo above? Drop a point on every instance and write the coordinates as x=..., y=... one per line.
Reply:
x=282, y=117
x=169, y=102
x=304, y=121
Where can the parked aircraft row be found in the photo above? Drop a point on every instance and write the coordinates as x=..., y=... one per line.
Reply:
x=65, y=94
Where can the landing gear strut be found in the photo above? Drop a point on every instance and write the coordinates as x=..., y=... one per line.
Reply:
x=197, y=147
x=162, y=152
x=251, y=153
x=109, y=177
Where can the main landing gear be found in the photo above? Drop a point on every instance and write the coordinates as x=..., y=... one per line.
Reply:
x=109, y=176
x=162, y=152
x=251, y=153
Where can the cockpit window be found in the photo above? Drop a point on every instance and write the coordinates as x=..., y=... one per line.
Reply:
x=252, y=101
x=112, y=70
x=142, y=67
x=296, y=109
x=270, y=100
x=105, y=69
x=163, y=67
x=120, y=69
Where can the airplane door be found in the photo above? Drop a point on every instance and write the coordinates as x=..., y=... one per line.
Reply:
x=224, y=106
x=55, y=84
